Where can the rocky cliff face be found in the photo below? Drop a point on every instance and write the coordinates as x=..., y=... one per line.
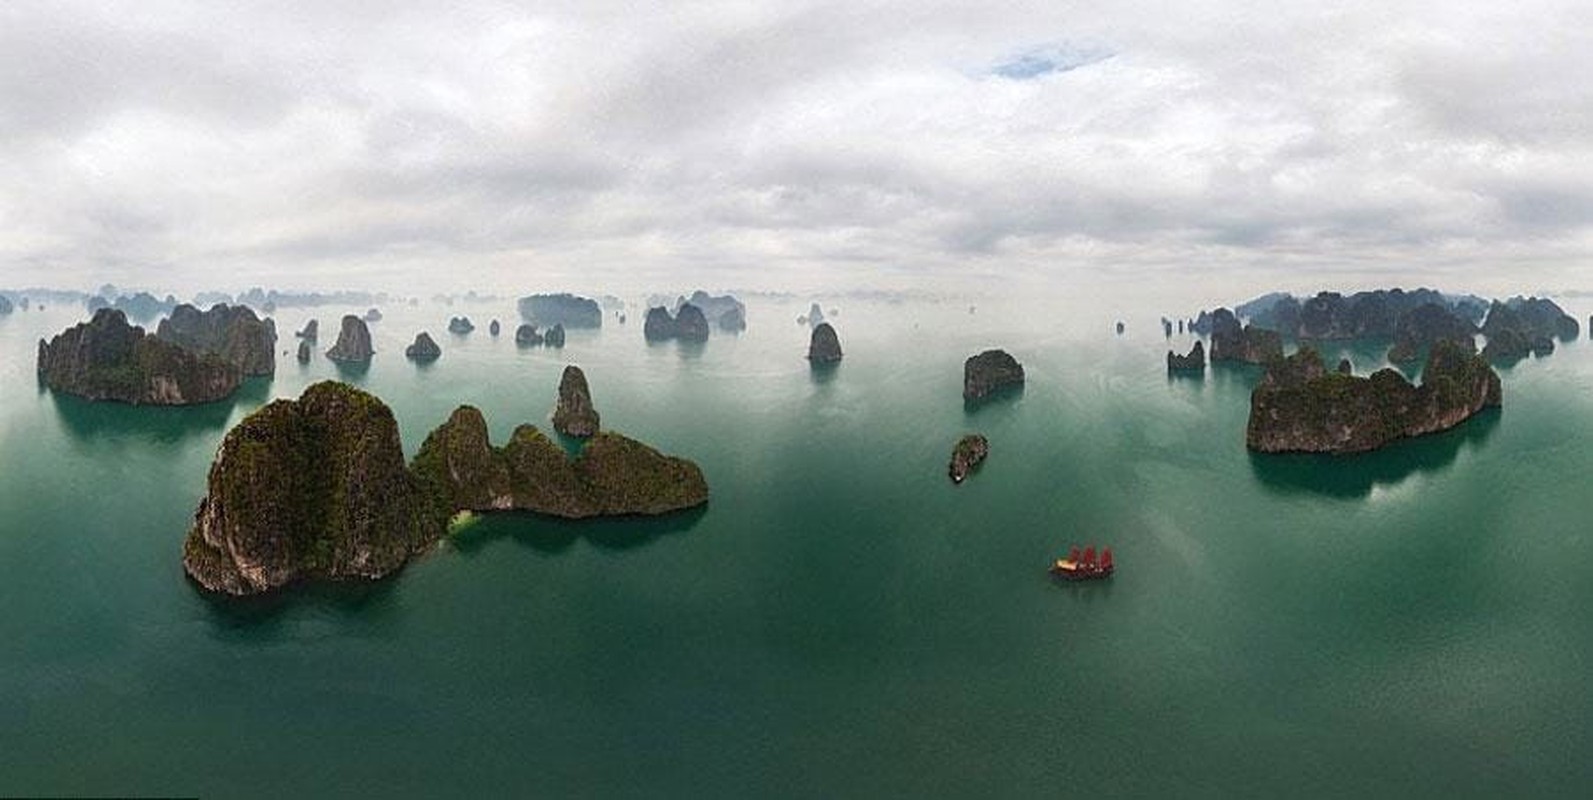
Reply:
x=1194, y=362
x=1300, y=407
x=107, y=359
x=989, y=372
x=824, y=346
x=232, y=332
x=353, y=341
x=574, y=415
x=460, y=325
x=424, y=348
x=314, y=488
x=493, y=328
x=1252, y=345
x=968, y=454
x=311, y=332
x=1420, y=327
x=304, y=351
x=527, y=336
x=555, y=336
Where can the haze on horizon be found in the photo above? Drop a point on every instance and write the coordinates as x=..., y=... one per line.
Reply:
x=502, y=146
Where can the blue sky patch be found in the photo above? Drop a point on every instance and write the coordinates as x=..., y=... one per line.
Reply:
x=1050, y=59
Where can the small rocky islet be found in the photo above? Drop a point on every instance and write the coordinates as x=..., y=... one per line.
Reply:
x=575, y=415
x=1195, y=361
x=527, y=335
x=424, y=348
x=824, y=345
x=317, y=489
x=966, y=456
x=688, y=324
x=353, y=341
x=990, y=373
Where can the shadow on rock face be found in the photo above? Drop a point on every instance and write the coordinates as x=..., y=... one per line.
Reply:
x=1352, y=477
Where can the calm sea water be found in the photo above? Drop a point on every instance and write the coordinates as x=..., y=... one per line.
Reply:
x=840, y=620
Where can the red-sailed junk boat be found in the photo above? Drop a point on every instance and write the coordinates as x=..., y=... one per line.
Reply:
x=1084, y=567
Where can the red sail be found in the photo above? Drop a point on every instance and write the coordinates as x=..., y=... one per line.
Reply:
x=1073, y=554
x=1106, y=557
x=1089, y=556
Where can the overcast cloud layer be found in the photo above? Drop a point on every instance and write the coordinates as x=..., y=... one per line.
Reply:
x=317, y=144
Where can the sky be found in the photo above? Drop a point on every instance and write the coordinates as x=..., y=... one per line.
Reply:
x=457, y=145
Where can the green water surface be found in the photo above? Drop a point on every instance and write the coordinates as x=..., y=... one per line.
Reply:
x=840, y=620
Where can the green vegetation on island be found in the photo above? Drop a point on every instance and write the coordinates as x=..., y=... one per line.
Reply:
x=108, y=359
x=317, y=488
x=969, y=452
x=989, y=373
x=1301, y=407
x=233, y=332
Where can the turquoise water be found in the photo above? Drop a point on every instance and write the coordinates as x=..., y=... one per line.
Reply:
x=841, y=620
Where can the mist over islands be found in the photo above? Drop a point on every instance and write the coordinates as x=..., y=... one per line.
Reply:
x=796, y=400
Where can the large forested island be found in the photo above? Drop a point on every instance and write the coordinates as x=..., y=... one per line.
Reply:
x=317, y=488
x=1300, y=406
x=108, y=359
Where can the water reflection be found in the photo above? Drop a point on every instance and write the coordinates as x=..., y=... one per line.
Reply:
x=1004, y=396
x=290, y=611
x=91, y=420
x=1354, y=476
x=823, y=372
x=352, y=371
x=553, y=535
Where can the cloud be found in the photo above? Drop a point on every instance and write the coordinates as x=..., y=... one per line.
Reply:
x=749, y=144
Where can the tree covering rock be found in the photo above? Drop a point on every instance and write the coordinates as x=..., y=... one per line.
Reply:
x=493, y=328
x=459, y=469
x=304, y=351
x=1520, y=326
x=232, y=332
x=1418, y=328
x=988, y=373
x=554, y=336
x=353, y=341
x=824, y=346
x=108, y=359
x=969, y=452
x=311, y=332
x=1300, y=407
x=1372, y=314
x=1194, y=362
x=460, y=325
x=574, y=415
x=561, y=309
x=424, y=348
x=314, y=488
x=373, y=315
x=526, y=335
